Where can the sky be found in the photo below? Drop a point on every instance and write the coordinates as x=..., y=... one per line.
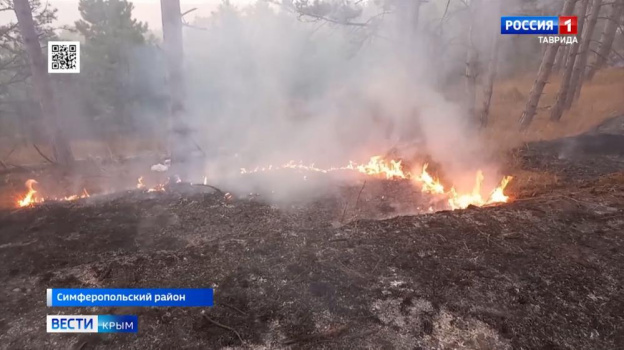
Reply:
x=144, y=10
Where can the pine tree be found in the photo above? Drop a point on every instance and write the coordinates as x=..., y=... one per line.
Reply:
x=110, y=34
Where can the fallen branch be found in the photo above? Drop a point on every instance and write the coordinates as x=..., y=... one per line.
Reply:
x=187, y=12
x=43, y=155
x=224, y=327
x=10, y=152
x=214, y=188
x=235, y=309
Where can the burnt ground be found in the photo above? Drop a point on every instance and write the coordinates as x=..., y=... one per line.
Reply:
x=543, y=272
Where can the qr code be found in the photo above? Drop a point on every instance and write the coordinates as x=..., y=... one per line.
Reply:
x=63, y=57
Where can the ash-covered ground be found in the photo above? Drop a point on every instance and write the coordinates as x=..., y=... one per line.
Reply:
x=345, y=271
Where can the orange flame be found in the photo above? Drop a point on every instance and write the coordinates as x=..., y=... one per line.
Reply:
x=140, y=183
x=428, y=183
x=462, y=201
x=392, y=169
x=31, y=197
x=378, y=166
x=158, y=188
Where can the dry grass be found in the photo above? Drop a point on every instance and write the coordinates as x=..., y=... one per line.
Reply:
x=528, y=184
x=600, y=99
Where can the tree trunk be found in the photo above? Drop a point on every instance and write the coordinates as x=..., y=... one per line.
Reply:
x=415, y=16
x=560, y=60
x=606, y=39
x=557, y=110
x=542, y=75
x=489, y=82
x=471, y=74
x=472, y=62
x=173, y=47
x=581, y=60
x=409, y=13
x=41, y=84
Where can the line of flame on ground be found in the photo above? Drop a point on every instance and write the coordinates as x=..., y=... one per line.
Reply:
x=377, y=166
x=393, y=169
x=32, y=197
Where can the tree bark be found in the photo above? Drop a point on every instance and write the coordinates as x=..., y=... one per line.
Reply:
x=581, y=60
x=471, y=74
x=542, y=75
x=606, y=39
x=179, y=143
x=409, y=13
x=489, y=82
x=560, y=60
x=41, y=83
x=415, y=17
x=472, y=62
x=557, y=110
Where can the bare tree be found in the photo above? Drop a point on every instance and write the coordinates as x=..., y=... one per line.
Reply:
x=542, y=75
x=41, y=83
x=581, y=60
x=472, y=61
x=557, y=110
x=174, y=53
x=489, y=81
x=472, y=57
x=606, y=39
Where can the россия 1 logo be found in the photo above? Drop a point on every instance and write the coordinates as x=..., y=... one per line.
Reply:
x=542, y=25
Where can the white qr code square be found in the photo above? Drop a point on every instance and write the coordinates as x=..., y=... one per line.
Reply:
x=63, y=57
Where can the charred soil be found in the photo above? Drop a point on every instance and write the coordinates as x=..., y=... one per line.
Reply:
x=543, y=272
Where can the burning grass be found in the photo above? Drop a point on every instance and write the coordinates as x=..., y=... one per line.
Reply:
x=377, y=167
x=393, y=169
x=33, y=197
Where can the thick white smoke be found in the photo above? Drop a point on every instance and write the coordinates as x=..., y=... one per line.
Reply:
x=265, y=86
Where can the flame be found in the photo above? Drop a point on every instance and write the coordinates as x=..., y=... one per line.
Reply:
x=378, y=166
x=84, y=194
x=428, y=183
x=498, y=195
x=140, y=183
x=462, y=201
x=158, y=188
x=31, y=197
x=393, y=169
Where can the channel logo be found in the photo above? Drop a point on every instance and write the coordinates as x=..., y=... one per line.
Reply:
x=535, y=25
x=92, y=324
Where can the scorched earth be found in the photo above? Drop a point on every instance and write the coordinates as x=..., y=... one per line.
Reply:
x=545, y=271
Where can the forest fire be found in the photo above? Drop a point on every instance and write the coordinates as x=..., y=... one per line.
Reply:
x=377, y=166
x=33, y=197
x=393, y=169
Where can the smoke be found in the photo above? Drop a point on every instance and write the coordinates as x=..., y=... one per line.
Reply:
x=266, y=86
